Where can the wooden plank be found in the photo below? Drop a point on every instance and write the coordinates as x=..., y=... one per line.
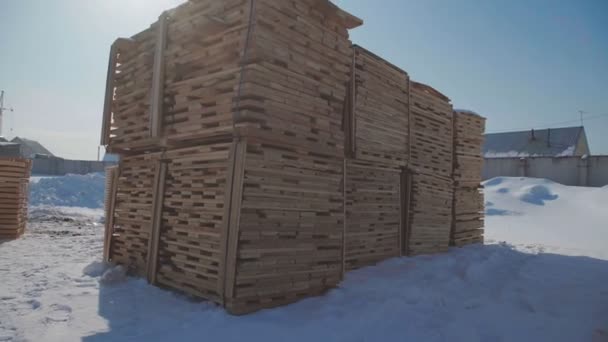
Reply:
x=235, y=214
x=225, y=227
x=112, y=174
x=158, y=78
x=154, y=240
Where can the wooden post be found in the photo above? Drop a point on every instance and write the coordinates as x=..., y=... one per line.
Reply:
x=112, y=174
x=352, y=107
x=158, y=79
x=157, y=210
x=406, y=200
x=344, y=225
x=235, y=200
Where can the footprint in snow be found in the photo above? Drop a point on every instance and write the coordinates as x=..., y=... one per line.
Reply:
x=59, y=313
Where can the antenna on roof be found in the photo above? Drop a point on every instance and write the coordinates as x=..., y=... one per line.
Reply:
x=2, y=109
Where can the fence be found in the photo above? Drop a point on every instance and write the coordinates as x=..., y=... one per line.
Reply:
x=576, y=171
x=54, y=166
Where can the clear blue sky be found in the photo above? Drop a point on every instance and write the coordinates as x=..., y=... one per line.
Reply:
x=521, y=63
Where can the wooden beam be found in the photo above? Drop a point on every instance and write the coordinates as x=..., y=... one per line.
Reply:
x=157, y=210
x=352, y=115
x=235, y=216
x=158, y=78
x=112, y=174
x=226, y=221
x=406, y=200
x=344, y=226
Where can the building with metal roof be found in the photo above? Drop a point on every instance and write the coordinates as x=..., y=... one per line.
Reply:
x=553, y=142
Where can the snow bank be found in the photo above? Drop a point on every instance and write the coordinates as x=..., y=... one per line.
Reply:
x=69, y=191
x=572, y=220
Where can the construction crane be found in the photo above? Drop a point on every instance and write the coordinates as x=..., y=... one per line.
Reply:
x=2, y=109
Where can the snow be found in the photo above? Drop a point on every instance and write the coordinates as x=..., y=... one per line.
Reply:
x=70, y=191
x=546, y=284
x=568, y=220
x=568, y=152
x=510, y=154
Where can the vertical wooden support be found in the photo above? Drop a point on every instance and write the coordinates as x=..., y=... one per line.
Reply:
x=351, y=114
x=226, y=221
x=158, y=78
x=232, y=234
x=406, y=200
x=109, y=97
x=454, y=185
x=344, y=226
x=112, y=174
x=157, y=210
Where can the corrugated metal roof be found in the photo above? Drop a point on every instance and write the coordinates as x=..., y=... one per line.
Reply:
x=546, y=142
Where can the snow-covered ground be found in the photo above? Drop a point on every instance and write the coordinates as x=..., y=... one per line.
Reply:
x=547, y=284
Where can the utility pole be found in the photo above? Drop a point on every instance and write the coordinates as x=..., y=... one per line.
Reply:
x=2, y=109
x=582, y=113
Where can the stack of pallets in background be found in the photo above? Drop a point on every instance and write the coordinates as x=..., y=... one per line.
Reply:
x=467, y=227
x=14, y=181
x=431, y=131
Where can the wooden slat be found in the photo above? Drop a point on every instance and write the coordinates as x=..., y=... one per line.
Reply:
x=157, y=207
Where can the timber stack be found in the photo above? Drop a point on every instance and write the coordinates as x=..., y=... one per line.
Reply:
x=263, y=155
x=14, y=183
x=468, y=224
x=431, y=163
x=377, y=143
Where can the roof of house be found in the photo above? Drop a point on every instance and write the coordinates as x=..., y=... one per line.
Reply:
x=35, y=146
x=555, y=142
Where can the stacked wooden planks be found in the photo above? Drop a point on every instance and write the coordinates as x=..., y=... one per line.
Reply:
x=377, y=147
x=373, y=214
x=228, y=115
x=431, y=130
x=14, y=181
x=291, y=211
x=263, y=154
x=381, y=111
x=468, y=196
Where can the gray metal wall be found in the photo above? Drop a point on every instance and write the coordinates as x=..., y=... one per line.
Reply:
x=59, y=167
x=577, y=171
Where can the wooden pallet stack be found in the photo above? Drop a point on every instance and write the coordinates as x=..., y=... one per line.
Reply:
x=431, y=131
x=14, y=182
x=468, y=195
x=228, y=115
x=377, y=143
x=263, y=155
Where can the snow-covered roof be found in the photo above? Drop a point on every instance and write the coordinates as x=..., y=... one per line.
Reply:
x=554, y=142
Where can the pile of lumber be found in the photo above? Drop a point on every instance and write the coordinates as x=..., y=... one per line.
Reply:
x=263, y=155
x=431, y=131
x=229, y=119
x=377, y=150
x=14, y=181
x=468, y=222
